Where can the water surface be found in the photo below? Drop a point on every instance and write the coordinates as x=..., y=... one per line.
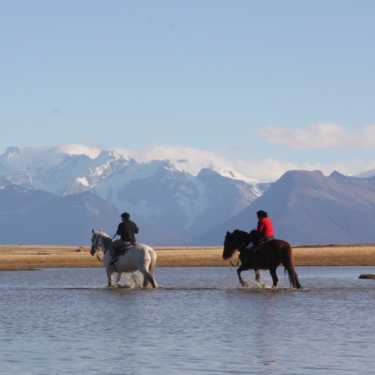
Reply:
x=199, y=320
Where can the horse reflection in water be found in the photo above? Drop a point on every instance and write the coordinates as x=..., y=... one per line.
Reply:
x=139, y=257
x=269, y=256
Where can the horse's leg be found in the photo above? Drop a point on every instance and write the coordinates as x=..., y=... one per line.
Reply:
x=257, y=276
x=274, y=277
x=109, y=275
x=239, y=270
x=119, y=276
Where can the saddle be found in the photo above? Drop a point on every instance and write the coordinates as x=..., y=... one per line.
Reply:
x=122, y=250
x=259, y=243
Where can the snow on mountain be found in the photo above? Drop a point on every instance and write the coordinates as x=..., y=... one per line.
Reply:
x=188, y=160
x=189, y=195
x=155, y=191
x=24, y=164
x=307, y=207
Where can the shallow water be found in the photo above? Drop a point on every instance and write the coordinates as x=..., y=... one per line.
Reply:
x=199, y=320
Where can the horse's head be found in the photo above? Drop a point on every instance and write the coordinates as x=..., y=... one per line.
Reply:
x=95, y=245
x=233, y=242
x=98, y=240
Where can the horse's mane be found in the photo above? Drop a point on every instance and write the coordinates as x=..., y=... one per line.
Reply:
x=104, y=234
x=239, y=231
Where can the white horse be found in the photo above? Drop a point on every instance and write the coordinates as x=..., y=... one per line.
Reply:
x=139, y=257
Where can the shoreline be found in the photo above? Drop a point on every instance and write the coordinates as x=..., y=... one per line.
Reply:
x=27, y=257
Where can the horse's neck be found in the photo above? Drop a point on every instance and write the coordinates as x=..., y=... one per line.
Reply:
x=105, y=242
x=242, y=238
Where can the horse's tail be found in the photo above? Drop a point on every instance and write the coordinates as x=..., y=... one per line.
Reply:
x=147, y=269
x=153, y=261
x=288, y=264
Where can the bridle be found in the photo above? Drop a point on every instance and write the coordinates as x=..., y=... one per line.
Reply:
x=96, y=247
x=234, y=248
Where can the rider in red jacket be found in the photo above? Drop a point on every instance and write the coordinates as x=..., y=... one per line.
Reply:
x=264, y=229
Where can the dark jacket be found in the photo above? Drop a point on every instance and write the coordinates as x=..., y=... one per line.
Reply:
x=126, y=230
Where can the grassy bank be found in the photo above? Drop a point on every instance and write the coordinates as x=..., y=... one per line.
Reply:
x=25, y=257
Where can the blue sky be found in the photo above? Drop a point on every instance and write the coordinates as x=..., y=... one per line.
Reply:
x=266, y=85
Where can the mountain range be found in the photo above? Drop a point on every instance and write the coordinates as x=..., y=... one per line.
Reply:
x=53, y=196
x=173, y=206
x=310, y=208
x=30, y=216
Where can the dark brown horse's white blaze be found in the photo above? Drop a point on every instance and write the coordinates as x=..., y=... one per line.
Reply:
x=270, y=255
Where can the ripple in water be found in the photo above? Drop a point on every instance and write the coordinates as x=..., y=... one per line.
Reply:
x=198, y=320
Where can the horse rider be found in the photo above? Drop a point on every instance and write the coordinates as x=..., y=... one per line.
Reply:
x=126, y=229
x=264, y=231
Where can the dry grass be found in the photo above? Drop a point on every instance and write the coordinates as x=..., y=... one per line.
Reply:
x=191, y=257
x=26, y=257
x=335, y=255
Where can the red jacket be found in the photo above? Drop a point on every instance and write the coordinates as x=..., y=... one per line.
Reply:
x=265, y=227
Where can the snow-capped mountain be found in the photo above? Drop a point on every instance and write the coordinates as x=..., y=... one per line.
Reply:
x=154, y=192
x=172, y=205
x=307, y=207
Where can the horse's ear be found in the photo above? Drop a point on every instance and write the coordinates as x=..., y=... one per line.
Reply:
x=228, y=233
x=93, y=231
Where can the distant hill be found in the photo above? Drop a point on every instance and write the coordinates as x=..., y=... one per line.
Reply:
x=310, y=208
x=32, y=217
x=38, y=217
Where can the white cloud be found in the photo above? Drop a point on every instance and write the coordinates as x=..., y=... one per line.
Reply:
x=269, y=170
x=192, y=161
x=322, y=135
x=266, y=170
x=186, y=159
x=74, y=149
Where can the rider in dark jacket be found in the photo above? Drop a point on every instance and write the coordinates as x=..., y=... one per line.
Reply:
x=126, y=230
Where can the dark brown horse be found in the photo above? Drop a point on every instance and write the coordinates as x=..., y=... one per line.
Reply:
x=269, y=256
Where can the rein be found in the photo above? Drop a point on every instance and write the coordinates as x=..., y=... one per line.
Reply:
x=98, y=247
x=239, y=248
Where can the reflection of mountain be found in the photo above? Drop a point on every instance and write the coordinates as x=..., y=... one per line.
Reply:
x=310, y=208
